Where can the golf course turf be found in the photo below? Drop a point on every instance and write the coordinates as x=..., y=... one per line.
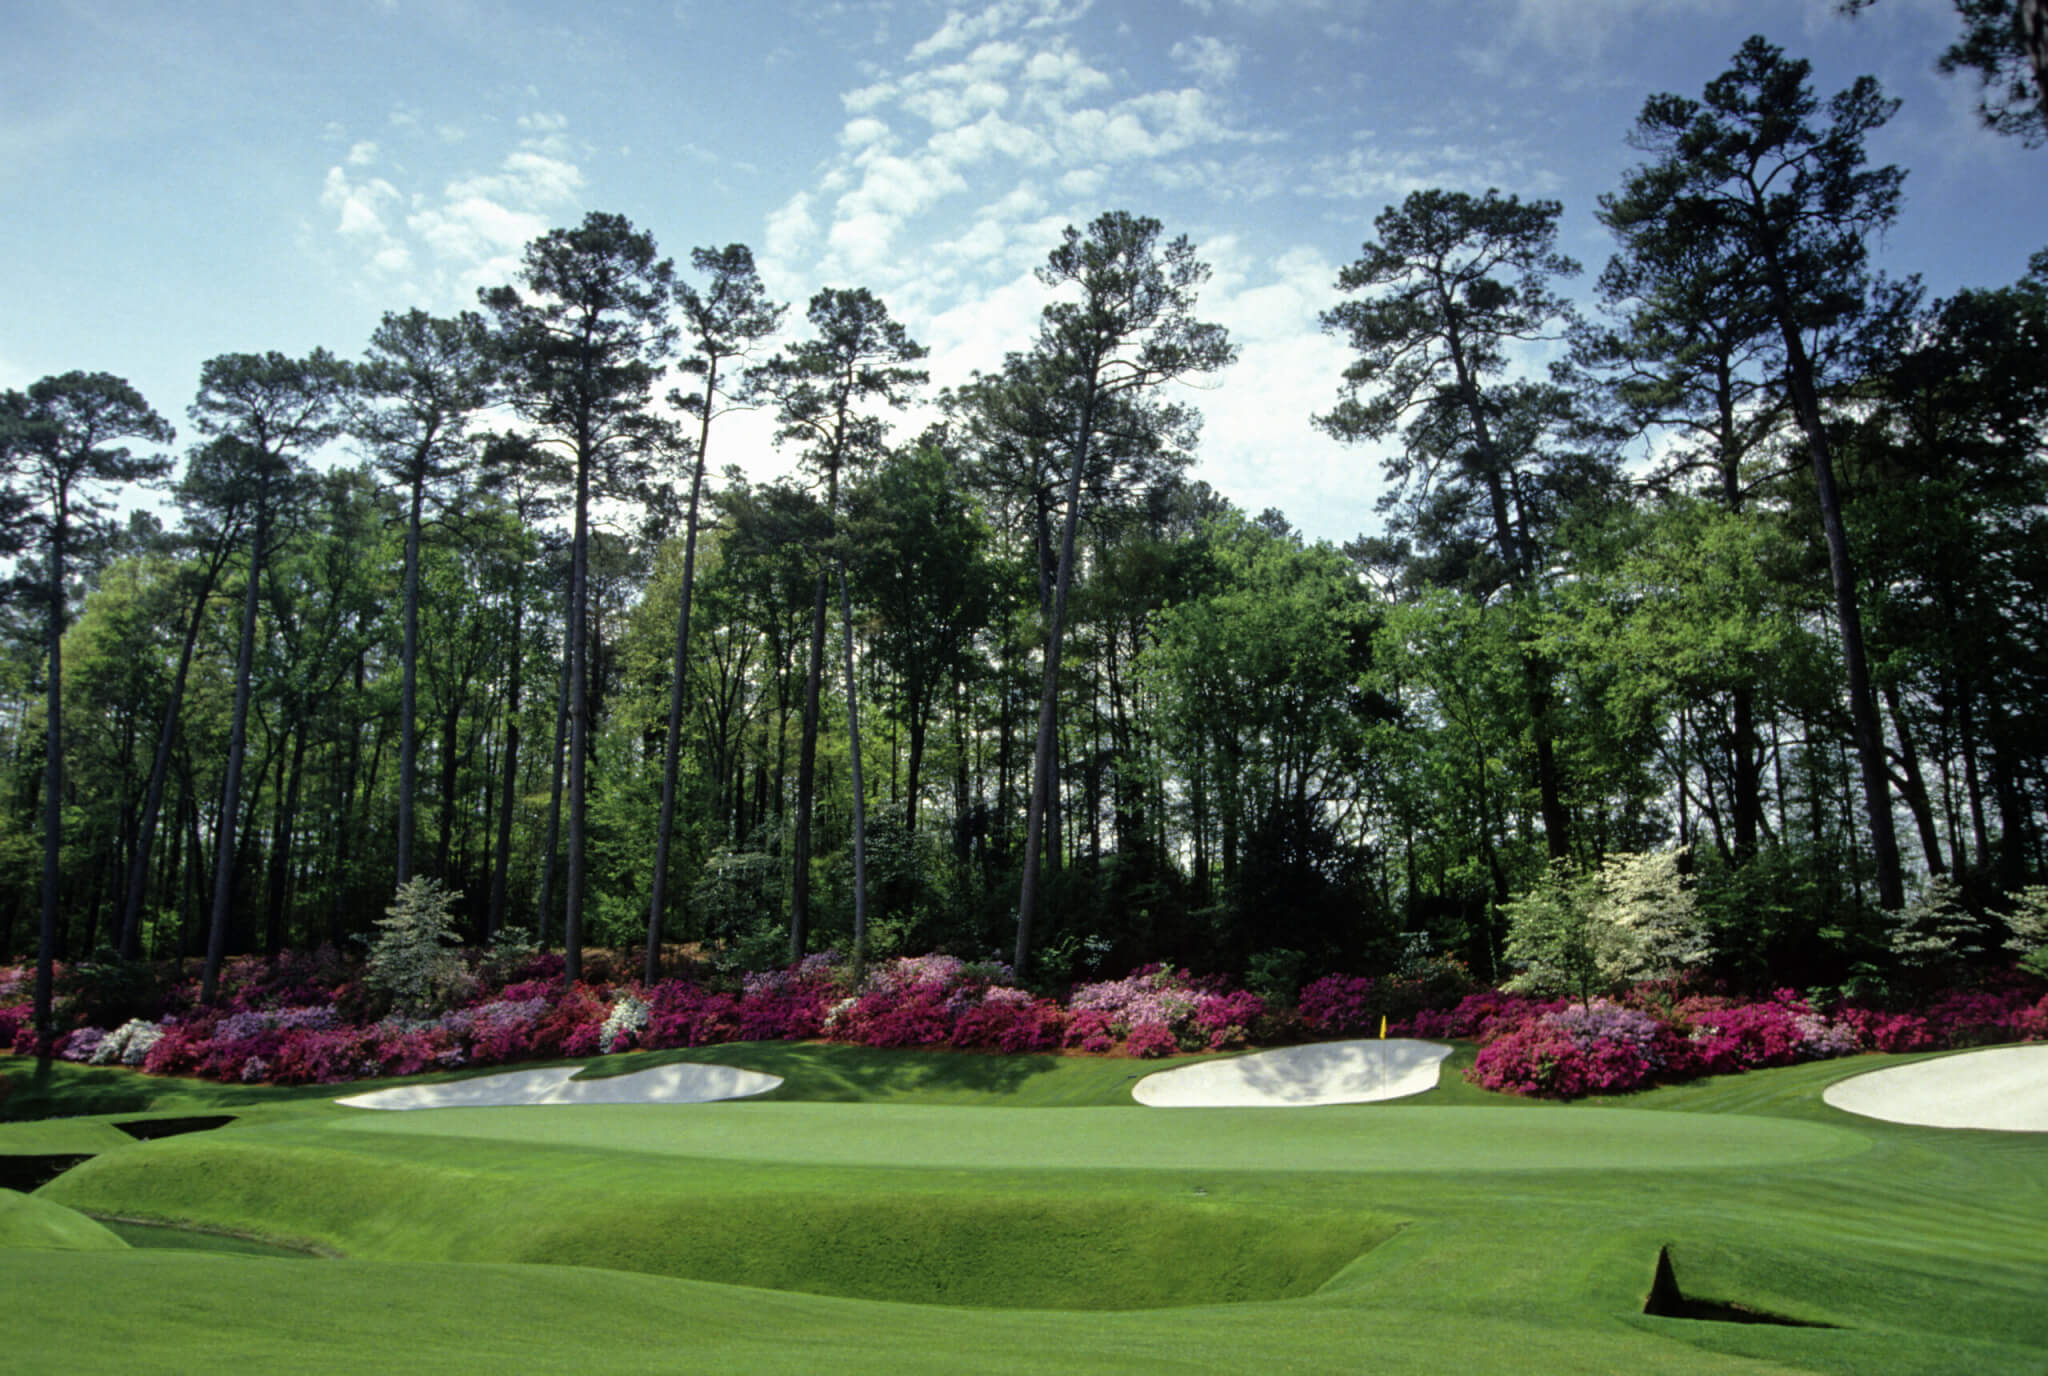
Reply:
x=908, y=1212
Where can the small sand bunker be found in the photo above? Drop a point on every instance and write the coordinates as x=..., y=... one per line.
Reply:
x=2004, y=1089
x=1359, y=1072
x=667, y=1084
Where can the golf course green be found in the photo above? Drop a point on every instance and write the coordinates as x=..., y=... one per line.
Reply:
x=910, y=1212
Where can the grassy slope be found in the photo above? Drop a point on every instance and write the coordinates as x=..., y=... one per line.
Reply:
x=1528, y=1241
x=28, y=1220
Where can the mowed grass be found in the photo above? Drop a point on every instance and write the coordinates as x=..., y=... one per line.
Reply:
x=909, y=1212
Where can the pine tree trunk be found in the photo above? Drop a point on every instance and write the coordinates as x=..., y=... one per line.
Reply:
x=53, y=799
x=806, y=784
x=408, y=692
x=860, y=807
x=672, y=746
x=238, y=735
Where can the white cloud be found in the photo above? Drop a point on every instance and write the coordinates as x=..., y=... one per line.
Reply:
x=961, y=29
x=986, y=137
x=1206, y=58
x=1371, y=171
x=859, y=133
x=359, y=217
x=866, y=98
x=1084, y=181
x=1062, y=68
x=1580, y=31
x=1260, y=446
x=790, y=229
x=471, y=231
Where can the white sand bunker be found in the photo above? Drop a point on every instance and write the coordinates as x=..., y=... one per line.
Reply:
x=666, y=1084
x=2004, y=1089
x=1359, y=1072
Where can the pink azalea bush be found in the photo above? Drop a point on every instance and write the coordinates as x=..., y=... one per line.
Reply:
x=1353, y=1005
x=940, y=1000
x=308, y=1019
x=1156, y=1010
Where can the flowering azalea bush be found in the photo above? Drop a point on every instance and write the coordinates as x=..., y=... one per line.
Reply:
x=1598, y=1048
x=940, y=1000
x=1339, y=1005
x=1175, y=1011
x=311, y=1018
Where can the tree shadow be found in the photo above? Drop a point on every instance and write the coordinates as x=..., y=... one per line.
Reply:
x=836, y=1072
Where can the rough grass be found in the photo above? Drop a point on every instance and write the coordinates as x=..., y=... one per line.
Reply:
x=1456, y=1230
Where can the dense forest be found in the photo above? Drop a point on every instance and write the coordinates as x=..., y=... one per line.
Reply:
x=1755, y=570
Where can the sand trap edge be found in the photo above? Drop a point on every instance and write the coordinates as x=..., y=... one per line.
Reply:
x=680, y=1083
x=1997, y=1089
x=1348, y=1072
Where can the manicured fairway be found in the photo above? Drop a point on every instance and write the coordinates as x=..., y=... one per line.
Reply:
x=1454, y=1231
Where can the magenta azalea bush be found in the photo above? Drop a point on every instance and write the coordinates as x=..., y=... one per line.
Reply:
x=1563, y=1050
x=1157, y=1011
x=308, y=1019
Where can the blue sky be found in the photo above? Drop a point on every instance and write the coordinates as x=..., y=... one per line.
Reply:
x=187, y=179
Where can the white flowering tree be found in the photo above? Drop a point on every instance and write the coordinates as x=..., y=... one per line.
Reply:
x=1647, y=917
x=1579, y=932
x=412, y=958
x=1935, y=929
x=2028, y=921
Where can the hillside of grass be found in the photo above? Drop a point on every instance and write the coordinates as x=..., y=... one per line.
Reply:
x=915, y=1212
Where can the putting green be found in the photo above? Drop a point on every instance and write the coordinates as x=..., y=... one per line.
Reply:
x=1335, y=1139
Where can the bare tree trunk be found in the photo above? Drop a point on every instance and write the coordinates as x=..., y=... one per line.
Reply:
x=501, y=863
x=672, y=746
x=555, y=767
x=806, y=785
x=238, y=736
x=408, y=693
x=53, y=801
x=1048, y=701
x=579, y=725
x=131, y=917
x=1868, y=734
x=860, y=807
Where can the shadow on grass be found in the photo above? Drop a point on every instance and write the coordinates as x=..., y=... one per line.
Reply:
x=1667, y=1302
x=836, y=1072
x=149, y=1129
x=27, y=1174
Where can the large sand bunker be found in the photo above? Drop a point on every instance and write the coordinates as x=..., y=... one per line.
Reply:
x=2005, y=1089
x=666, y=1084
x=1359, y=1072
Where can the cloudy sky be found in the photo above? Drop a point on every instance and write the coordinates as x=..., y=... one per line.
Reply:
x=182, y=180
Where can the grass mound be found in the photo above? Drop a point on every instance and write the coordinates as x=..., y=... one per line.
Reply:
x=1488, y=1234
x=28, y=1220
x=1049, y=1241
